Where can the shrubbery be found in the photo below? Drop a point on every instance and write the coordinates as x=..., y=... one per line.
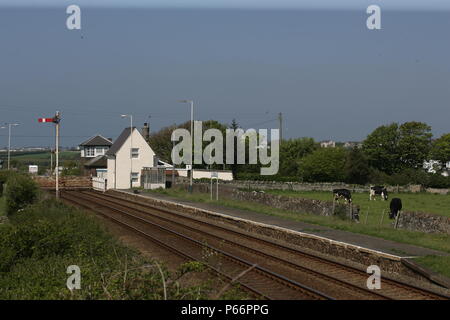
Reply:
x=20, y=191
x=45, y=238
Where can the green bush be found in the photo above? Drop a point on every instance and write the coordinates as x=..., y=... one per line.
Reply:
x=324, y=165
x=20, y=191
x=438, y=181
x=4, y=174
x=42, y=240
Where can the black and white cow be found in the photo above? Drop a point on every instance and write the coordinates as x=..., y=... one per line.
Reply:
x=342, y=193
x=378, y=190
x=396, y=207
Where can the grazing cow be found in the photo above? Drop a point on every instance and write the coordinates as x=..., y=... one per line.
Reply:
x=378, y=190
x=342, y=193
x=396, y=207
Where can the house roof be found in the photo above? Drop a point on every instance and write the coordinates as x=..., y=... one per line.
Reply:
x=119, y=141
x=97, y=140
x=97, y=162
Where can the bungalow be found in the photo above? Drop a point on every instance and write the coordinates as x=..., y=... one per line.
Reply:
x=126, y=158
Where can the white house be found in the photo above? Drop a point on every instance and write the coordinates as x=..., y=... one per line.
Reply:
x=126, y=158
x=328, y=144
x=431, y=166
x=95, y=146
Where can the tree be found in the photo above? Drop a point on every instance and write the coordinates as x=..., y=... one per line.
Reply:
x=414, y=143
x=357, y=169
x=393, y=148
x=161, y=143
x=323, y=165
x=440, y=149
x=291, y=151
x=380, y=148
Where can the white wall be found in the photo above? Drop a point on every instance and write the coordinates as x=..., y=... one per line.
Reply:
x=119, y=167
x=199, y=174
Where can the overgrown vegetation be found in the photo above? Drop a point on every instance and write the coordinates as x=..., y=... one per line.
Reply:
x=20, y=191
x=439, y=264
x=44, y=237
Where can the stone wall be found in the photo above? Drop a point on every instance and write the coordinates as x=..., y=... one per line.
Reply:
x=294, y=204
x=325, y=186
x=424, y=222
x=300, y=205
x=64, y=182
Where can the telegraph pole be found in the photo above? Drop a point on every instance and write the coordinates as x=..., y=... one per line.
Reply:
x=9, y=141
x=280, y=119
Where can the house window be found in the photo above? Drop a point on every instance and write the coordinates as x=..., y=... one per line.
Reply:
x=89, y=152
x=135, y=176
x=99, y=151
x=134, y=152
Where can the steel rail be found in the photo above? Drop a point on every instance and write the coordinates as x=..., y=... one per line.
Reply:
x=232, y=258
x=394, y=283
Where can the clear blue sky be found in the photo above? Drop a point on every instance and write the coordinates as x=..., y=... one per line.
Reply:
x=255, y=4
x=329, y=76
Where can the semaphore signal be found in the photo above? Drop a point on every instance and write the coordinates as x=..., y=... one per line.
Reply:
x=56, y=119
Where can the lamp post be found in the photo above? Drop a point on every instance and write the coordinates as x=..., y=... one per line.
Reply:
x=9, y=140
x=131, y=147
x=2, y=127
x=192, y=139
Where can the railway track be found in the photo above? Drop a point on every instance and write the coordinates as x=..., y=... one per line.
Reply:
x=256, y=279
x=316, y=277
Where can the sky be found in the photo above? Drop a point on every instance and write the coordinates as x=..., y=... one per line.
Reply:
x=248, y=4
x=321, y=67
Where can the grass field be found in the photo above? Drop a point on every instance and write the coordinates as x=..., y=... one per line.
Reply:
x=413, y=202
x=373, y=227
x=39, y=156
x=21, y=160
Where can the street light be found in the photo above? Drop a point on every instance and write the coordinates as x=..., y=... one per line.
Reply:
x=9, y=140
x=192, y=139
x=131, y=147
x=2, y=127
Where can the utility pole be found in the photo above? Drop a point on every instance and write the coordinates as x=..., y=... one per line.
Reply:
x=9, y=141
x=280, y=119
x=51, y=161
x=192, y=140
x=57, y=119
x=173, y=167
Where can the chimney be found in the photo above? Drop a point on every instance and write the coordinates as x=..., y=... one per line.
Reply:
x=146, y=131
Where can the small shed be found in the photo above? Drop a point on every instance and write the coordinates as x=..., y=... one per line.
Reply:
x=153, y=178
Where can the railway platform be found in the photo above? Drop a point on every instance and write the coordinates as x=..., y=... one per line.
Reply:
x=379, y=245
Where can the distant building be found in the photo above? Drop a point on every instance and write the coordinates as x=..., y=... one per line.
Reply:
x=352, y=144
x=33, y=169
x=328, y=144
x=95, y=146
x=433, y=166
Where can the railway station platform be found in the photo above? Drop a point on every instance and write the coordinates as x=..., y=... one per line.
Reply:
x=400, y=250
